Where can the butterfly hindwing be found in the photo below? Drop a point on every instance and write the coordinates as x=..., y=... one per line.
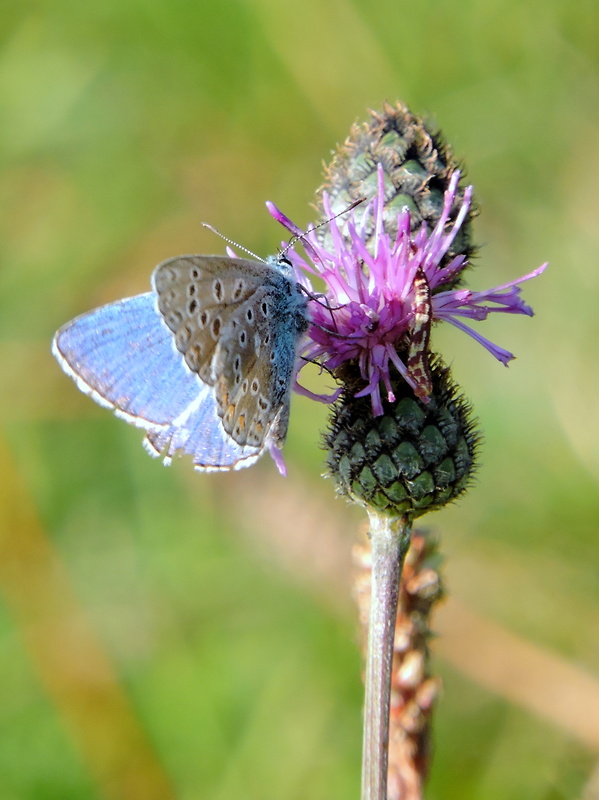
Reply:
x=254, y=368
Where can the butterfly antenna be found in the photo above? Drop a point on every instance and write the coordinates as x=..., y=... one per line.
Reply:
x=300, y=236
x=323, y=301
x=319, y=365
x=317, y=298
x=230, y=241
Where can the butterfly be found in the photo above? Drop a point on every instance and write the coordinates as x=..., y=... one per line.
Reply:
x=204, y=363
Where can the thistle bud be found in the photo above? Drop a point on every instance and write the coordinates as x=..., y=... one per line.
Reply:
x=414, y=457
x=418, y=166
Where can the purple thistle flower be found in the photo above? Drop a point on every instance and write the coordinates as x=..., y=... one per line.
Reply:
x=378, y=306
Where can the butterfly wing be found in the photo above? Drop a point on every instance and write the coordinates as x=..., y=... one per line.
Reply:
x=195, y=294
x=199, y=433
x=254, y=367
x=122, y=355
x=237, y=323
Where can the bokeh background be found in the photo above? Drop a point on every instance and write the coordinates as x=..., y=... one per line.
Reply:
x=165, y=634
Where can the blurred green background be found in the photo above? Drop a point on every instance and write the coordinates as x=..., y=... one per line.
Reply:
x=165, y=634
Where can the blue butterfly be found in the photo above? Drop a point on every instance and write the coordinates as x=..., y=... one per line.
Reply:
x=204, y=363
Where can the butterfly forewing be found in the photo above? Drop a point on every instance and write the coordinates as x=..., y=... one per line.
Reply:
x=194, y=294
x=237, y=323
x=122, y=355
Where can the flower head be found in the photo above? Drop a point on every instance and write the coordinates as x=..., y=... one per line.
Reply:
x=379, y=302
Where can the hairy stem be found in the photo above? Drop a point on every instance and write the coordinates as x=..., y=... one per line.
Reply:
x=390, y=540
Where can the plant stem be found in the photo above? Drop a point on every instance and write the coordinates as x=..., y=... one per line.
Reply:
x=390, y=540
